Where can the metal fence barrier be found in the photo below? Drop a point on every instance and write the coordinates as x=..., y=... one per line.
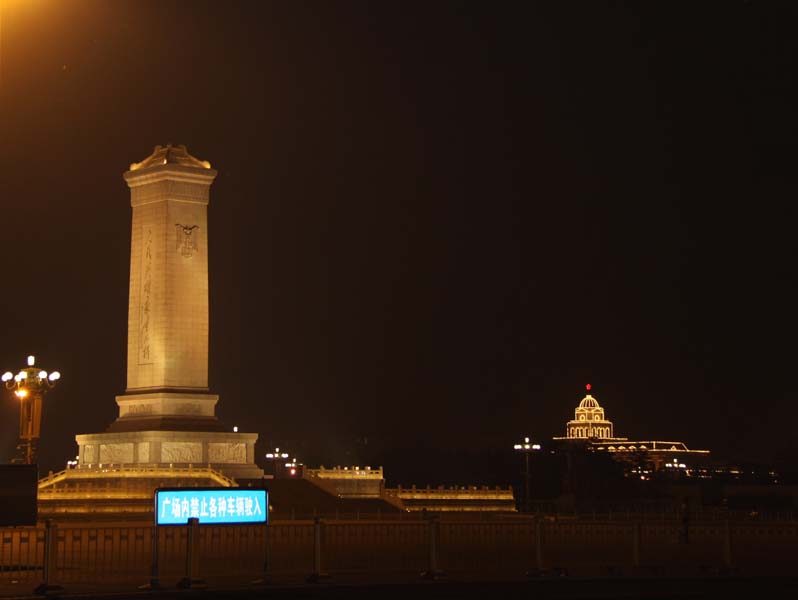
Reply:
x=67, y=555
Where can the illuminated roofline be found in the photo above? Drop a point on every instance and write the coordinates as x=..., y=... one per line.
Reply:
x=344, y=473
x=603, y=440
x=650, y=446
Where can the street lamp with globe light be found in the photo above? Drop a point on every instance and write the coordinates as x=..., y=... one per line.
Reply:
x=278, y=460
x=526, y=447
x=29, y=385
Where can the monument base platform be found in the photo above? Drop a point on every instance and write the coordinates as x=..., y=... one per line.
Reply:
x=117, y=492
x=230, y=453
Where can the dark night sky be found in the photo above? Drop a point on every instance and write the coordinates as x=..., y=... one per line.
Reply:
x=433, y=222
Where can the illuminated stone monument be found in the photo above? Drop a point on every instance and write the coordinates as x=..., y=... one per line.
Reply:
x=167, y=413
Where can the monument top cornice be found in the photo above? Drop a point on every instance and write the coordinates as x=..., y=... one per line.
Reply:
x=169, y=154
x=170, y=159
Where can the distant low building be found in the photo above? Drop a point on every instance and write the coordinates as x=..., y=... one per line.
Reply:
x=455, y=499
x=367, y=482
x=350, y=482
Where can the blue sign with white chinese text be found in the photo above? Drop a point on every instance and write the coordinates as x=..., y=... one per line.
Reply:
x=212, y=506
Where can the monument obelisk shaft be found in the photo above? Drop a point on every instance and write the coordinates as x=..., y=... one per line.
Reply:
x=168, y=309
x=167, y=354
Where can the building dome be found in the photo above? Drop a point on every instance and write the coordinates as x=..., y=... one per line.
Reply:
x=589, y=402
x=589, y=421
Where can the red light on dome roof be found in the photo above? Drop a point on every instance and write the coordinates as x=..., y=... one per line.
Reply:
x=588, y=387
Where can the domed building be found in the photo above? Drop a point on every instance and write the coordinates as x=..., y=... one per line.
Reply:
x=592, y=430
x=589, y=421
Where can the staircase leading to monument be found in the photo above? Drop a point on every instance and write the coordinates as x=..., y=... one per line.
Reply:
x=303, y=499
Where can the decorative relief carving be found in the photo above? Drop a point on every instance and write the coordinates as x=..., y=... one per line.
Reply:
x=143, y=452
x=116, y=453
x=147, y=193
x=235, y=452
x=138, y=409
x=186, y=241
x=181, y=452
x=145, y=357
x=182, y=189
x=160, y=190
x=90, y=453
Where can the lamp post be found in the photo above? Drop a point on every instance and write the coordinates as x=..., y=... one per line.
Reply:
x=526, y=447
x=276, y=457
x=30, y=385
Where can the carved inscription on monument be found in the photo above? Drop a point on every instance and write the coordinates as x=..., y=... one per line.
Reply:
x=145, y=357
x=188, y=408
x=186, y=240
x=116, y=453
x=235, y=452
x=181, y=452
x=186, y=191
x=137, y=409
